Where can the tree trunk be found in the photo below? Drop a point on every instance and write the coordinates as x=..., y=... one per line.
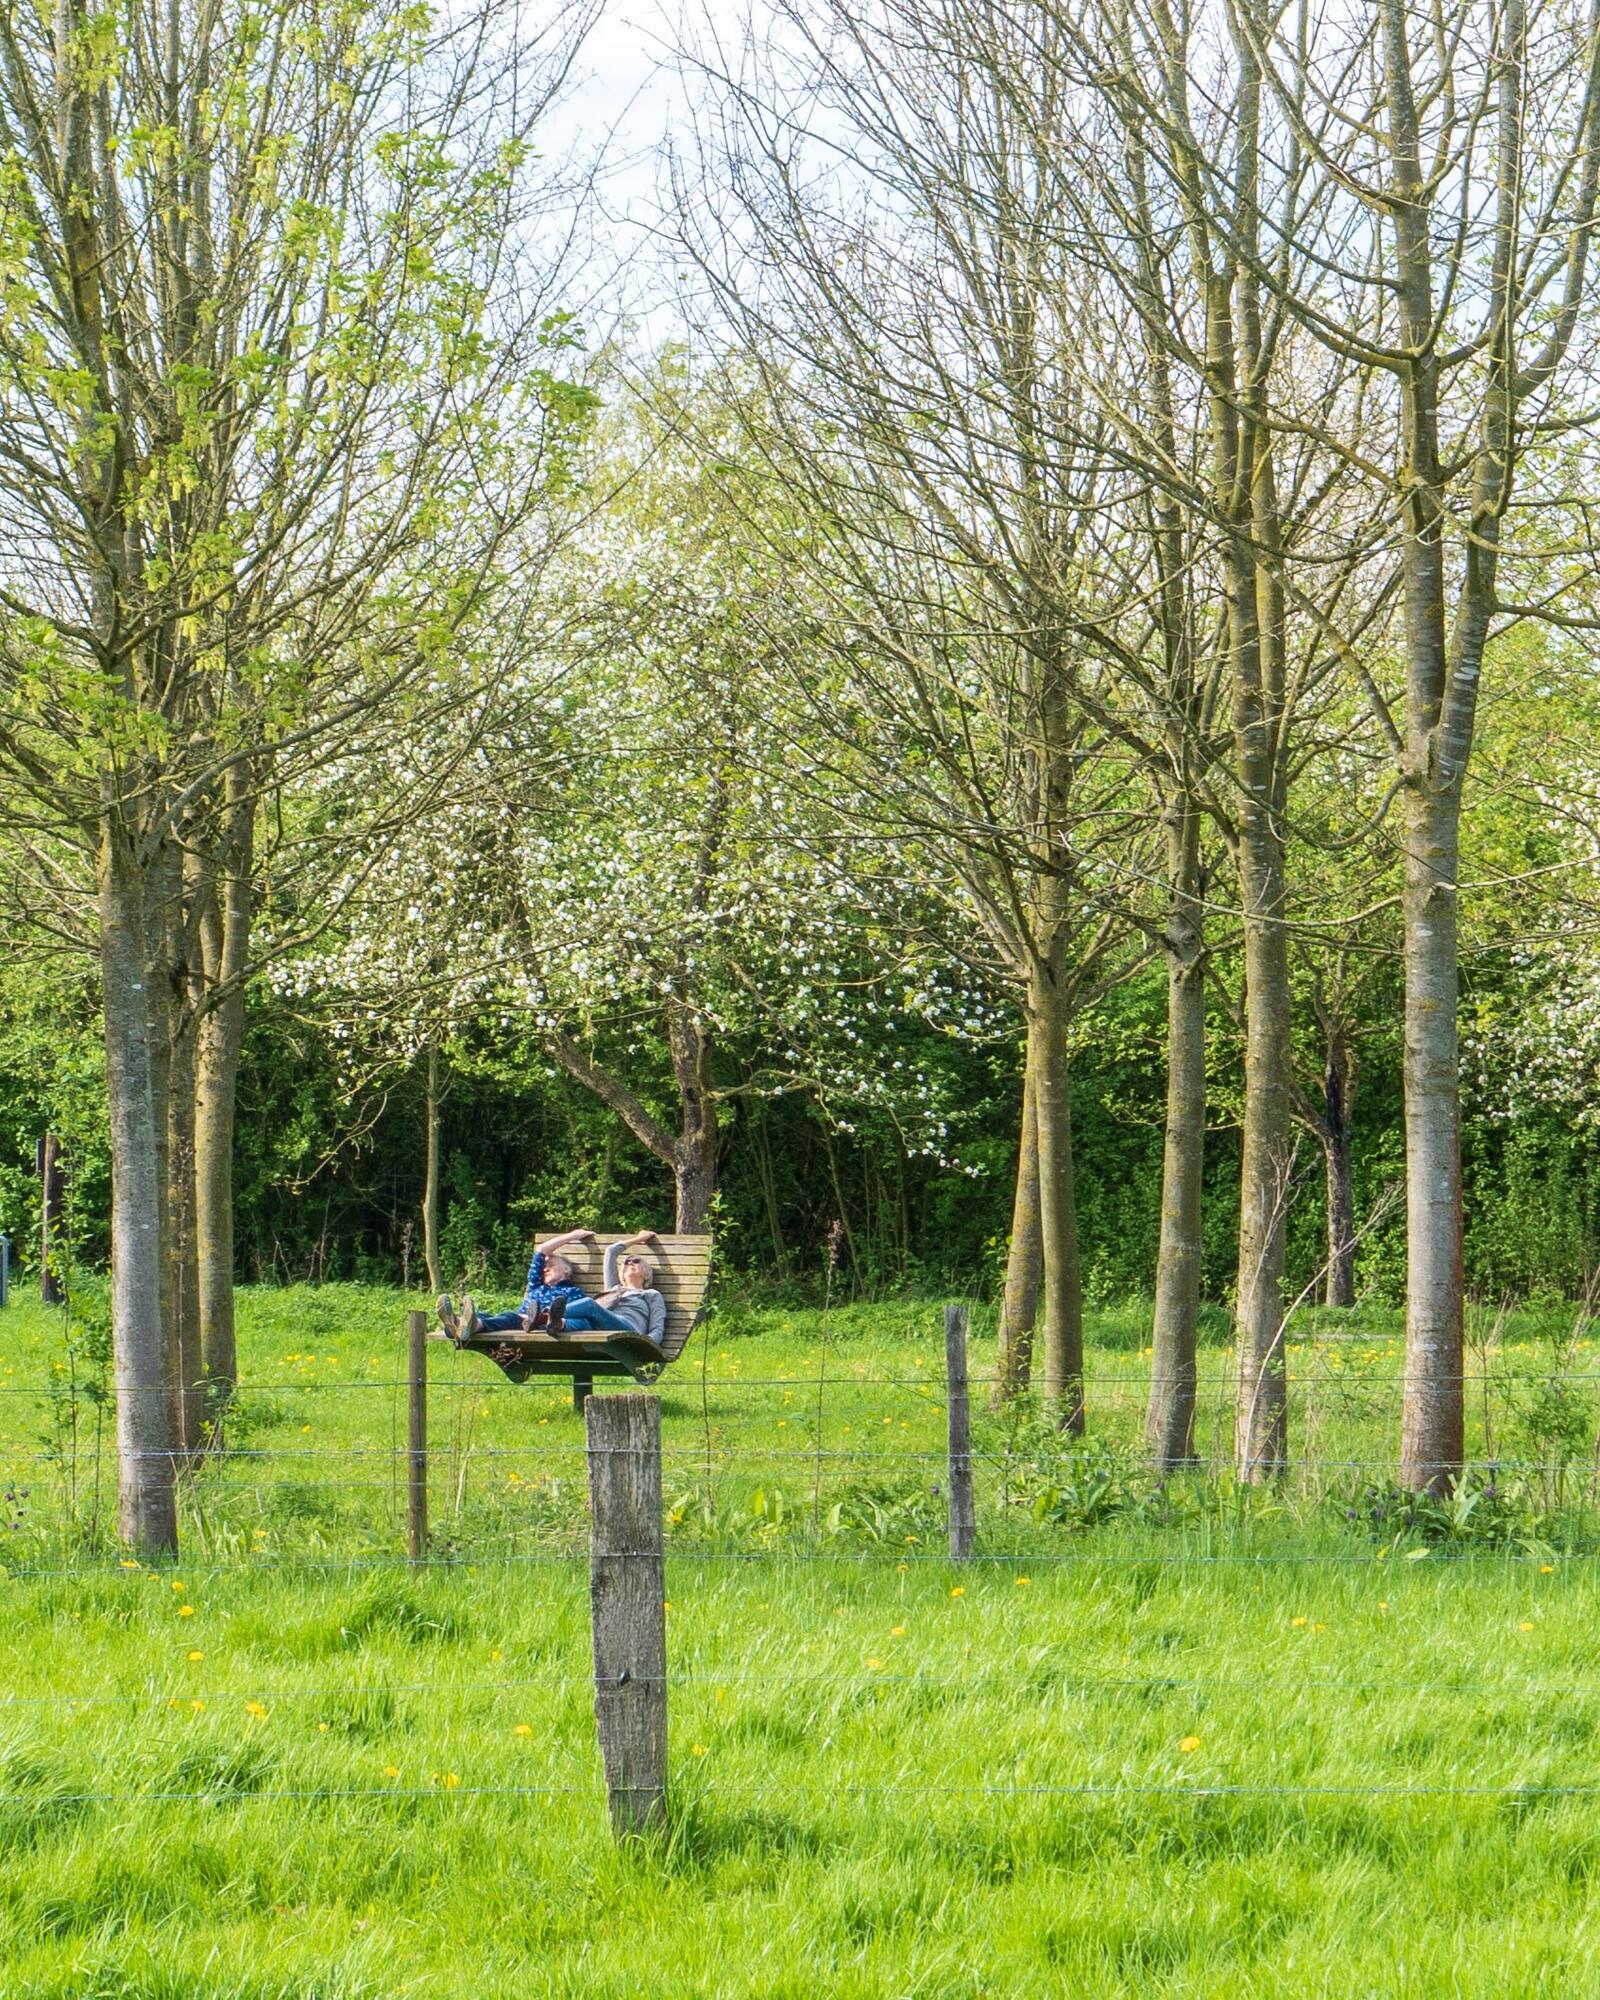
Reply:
x=694, y=1153
x=225, y=909
x=1169, y=1425
x=182, y=1263
x=1261, y=1426
x=1058, y=1220
x=1338, y=1104
x=1433, y=1431
x=430, y=1183
x=147, y=1414
x=1019, y=1305
x=51, y=1291
x=163, y=891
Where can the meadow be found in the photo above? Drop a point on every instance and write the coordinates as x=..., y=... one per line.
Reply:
x=1198, y=1742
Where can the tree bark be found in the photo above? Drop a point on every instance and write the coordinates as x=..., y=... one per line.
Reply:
x=51, y=1291
x=694, y=1153
x=430, y=1182
x=181, y=1258
x=1261, y=1425
x=1019, y=1305
x=1338, y=1105
x=1433, y=1430
x=224, y=914
x=163, y=892
x=1058, y=1220
x=1169, y=1425
x=147, y=1413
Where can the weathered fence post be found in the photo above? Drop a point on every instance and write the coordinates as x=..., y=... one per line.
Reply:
x=417, y=1436
x=963, y=1526
x=627, y=1589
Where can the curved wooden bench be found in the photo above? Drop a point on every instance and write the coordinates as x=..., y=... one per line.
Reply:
x=683, y=1270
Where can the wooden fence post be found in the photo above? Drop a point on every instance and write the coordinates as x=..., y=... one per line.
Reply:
x=417, y=1436
x=963, y=1525
x=627, y=1589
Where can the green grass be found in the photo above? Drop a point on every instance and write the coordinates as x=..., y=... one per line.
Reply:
x=1195, y=1745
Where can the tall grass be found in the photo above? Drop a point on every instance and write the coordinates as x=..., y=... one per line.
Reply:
x=1158, y=1744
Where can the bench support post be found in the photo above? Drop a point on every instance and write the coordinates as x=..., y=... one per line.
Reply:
x=582, y=1389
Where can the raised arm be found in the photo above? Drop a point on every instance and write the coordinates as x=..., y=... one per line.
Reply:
x=613, y=1258
x=567, y=1236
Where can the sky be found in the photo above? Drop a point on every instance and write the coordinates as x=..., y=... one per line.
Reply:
x=624, y=102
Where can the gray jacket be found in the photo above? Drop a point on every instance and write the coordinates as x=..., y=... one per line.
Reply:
x=645, y=1312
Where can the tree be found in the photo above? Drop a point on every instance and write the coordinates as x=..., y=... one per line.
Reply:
x=914, y=329
x=630, y=870
x=1431, y=183
x=273, y=392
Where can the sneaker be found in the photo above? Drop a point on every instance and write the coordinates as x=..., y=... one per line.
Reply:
x=556, y=1314
x=448, y=1320
x=470, y=1322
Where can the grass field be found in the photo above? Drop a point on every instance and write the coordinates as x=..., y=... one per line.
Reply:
x=1192, y=1744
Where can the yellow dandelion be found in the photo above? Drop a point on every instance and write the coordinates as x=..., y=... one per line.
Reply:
x=1189, y=1743
x=197, y=1706
x=958, y=1590
x=1526, y=1625
x=1319, y=1628
x=257, y=1709
x=523, y=1729
x=185, y=1610
x=699, y=1750
x=722, y=1694
x=666, y=1604
x=179, y=1586
x=1297, y=1622
x=197, y=1656
x=874, y=1663
x=494, y=1655
x=127, y=1565
x=897, y=1632
x=391, y=1770
x=1023, y=1582
x=322, y=1729
x=1547, y=1569
x=451, y=1780
x=174, y=1704
x=304, y=1428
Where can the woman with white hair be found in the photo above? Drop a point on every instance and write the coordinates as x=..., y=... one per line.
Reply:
x=630, y=1303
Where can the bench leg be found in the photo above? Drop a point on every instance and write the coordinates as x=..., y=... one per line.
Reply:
x=582, y=1388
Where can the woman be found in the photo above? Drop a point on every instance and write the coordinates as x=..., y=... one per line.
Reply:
x=630, y=1303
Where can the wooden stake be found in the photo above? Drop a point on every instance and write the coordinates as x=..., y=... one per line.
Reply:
x=963, y=1524
x=417, y=1436
x=627, y=1585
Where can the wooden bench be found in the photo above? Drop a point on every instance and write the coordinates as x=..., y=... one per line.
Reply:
x=683, y=1270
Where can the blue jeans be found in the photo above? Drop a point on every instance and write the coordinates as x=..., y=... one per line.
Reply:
x=589, y=1316
x=510, y=1322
